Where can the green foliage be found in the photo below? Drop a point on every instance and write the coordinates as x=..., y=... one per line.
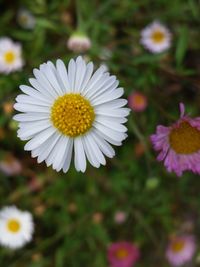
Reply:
x=74, y=212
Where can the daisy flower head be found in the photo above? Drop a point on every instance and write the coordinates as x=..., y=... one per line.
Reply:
x=10, y=56
x=71, y=111
x=179, y=144
x=137, y=101
x=180, y=250
x=26, y=19
x=120, y=217
x=79, y=42
x=156, y=37
x=122, y=254
x=16, y=227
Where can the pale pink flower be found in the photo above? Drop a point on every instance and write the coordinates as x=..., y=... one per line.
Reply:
x=122, y=254
x=10, y=165
x=79, y=43
x=156, y=37
x=180, y=250
x=137, y=101
x=179, y=144
x=120, y=217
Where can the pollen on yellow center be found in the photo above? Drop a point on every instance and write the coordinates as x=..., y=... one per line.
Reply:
x=158, y=36
x=9, y=57
x=185, y=139
x=177, y=246
x=13, y=225
x=121, y=253
x=72, y=115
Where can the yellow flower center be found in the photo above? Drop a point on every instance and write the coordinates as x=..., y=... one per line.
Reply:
x=177, y=246
x=9, y=57
x=72, y=114
x=13, y=225
x=23, y=19
x=139, y=100
x=158, y=36
x=121, y=253
x=185, y=139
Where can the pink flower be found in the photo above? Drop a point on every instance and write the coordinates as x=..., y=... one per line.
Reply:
x=10, y=165
x=79, y=42
x=180, y=250
x=179, y=144
x=120, y=217
x=122, y=254
x=137, y=101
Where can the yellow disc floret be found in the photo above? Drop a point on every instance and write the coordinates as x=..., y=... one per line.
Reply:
x=72, y=115
x=158, y=36
x=177, y=246
x=9, y=57
x=185, y=139
x=13, y=225
x=121, y=253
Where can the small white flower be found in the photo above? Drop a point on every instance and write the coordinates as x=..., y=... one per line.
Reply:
x=16, y=227
x=25, y=19
x=79, y=42
x=71, y=110
x=10, y=56
x=156, y=37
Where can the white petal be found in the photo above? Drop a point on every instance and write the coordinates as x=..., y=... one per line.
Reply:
x=51, y=75
x=62, y=71
x=34, y=93
x=95, y=149
x=40, y=138
x=111, y=124
x=95, y=77
x=68, y=156
x=79, y=155
x=90, y=155
x=108, y=84
x=32, y=128
x=107, y=96
x=63, y=152
x=88, y=74
x=97, y=86
x=72, y=74
x=41, y=87
x=24, y=99
x=43, y=81
x=120, y=112
x=55, y=157
x=108, y=118
x=107, y=138
x=31, y=108
x=44, y=151
x=103, y=145
x=113, y=104
x=80, y=73
x=25, y=117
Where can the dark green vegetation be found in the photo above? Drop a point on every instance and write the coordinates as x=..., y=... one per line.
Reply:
x=73, y=212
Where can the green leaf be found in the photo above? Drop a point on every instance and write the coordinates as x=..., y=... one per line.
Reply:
x=182, y=45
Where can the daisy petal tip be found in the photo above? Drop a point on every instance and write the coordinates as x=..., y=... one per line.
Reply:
x=182, y=109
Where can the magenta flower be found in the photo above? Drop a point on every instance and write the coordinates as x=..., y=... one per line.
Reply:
x=180, y=250
x=179, y=144
x=137, y=101
x=122, y=254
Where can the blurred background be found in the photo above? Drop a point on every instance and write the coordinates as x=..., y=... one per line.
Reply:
x=133, y=198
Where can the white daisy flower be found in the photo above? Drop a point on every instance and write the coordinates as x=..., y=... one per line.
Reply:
x=79, y=42
x=156, y=37
x=71, y=110
x=16, y=227
x=26, y=19
x=10, y=56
